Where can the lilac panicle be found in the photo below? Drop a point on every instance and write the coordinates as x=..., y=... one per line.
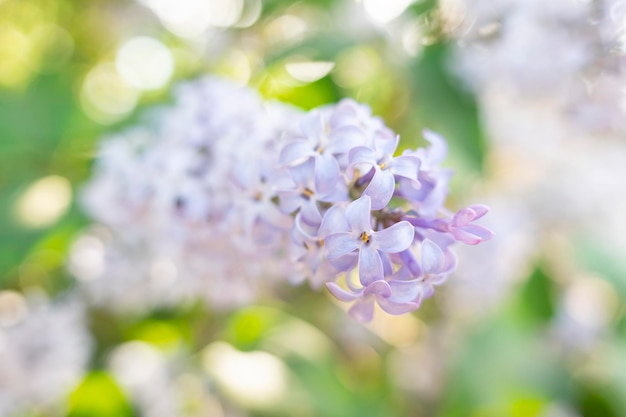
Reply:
x=319, y=196
x=373, y=253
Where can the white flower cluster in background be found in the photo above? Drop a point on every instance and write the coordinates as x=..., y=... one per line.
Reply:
x=179, y=201
x=44, y=351
x=569, y=52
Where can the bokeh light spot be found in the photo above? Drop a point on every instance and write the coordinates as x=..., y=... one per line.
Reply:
x=255, y=379
x=105, y=96
x=44, y=202
x=309, y=71
x=13, y=308
x=384, y=11
x=144, y=63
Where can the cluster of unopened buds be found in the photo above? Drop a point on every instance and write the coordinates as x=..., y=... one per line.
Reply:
x=325, y=192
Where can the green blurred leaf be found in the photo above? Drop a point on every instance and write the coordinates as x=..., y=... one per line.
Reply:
x=444, y=106
x=593, y=402
x=99, y=396
x=536, y=298
x=247, y=327
x=166, y=335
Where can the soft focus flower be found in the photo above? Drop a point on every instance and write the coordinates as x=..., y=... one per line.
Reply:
x=42, y=357
x=297, y=196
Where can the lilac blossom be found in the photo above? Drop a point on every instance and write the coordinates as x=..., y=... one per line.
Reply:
x=317, y=143
x=386, y=168
x=227, y=196
x=355, y=233
x=463, y=229
x=45, y=353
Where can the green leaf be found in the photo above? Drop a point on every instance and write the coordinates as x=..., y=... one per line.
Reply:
x=444, y=106
x=536, y=299
x=99, y=396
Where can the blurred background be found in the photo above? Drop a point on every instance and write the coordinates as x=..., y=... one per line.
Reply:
x=530, y=96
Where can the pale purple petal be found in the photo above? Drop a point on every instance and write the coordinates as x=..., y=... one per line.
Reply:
x=410, y=263
x=303, y=174
x=379, y=288
x=345, y=263
x=340, y=293
x=310, y=213
x=432, y=257
x=395, y=238
x=370, y=266
x=438, y=149
x=480, y=210
x=406, y=166
x=323, y=274
x=472, y=234
x=340, y=244
x=405, y=291
x=386, y=146
x=312, y=126
x=326, y=172
x=295, y=152
x=362, y=310
x=339, y=193
x=334, y=221
x=380, y=189
x=342, y=139
x=305, y=230
x=463, y=217
x=359, y=215
x=394, y=308
x=275, y=217
x=429, y=290
x=362, y=155
x=289, y=201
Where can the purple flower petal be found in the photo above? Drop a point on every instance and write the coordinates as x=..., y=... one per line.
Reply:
x=463, y=217
x=380, y=189
x=386, y=146
x=432, y=257
x=312, y=126
x=340, y=293
x=393, y=308
x=334, y=221
x=395, y=238
x=295, y=152
x=326, y=172
x=362, y=310
x=362, y=155
x=302, y=174
x=410, y=263
x=289, y=201
x=359, y=215
x=362, y=159
x=406, y=166
x=370, y=266
x=405, y=291
x=472, y=234
x=379, y=288
x=438, y=149
x=342, y=139
x=480, y=210
x=340, y=244
x=310, y=213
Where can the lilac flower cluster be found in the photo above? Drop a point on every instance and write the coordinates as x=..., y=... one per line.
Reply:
x=509, y=45
x=44, y=353
x=236, y=190
x=367, y=223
